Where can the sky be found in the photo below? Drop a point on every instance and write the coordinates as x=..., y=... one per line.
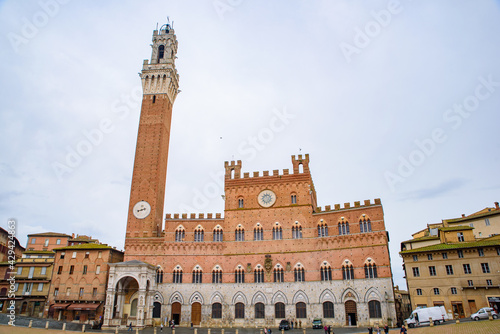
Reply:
x=397, y=100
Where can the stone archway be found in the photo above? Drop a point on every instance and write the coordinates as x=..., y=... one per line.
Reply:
x=129, y=297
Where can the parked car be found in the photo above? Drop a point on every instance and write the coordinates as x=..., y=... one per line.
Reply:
x=483, y=314
x=317, y=323
x=284, y=324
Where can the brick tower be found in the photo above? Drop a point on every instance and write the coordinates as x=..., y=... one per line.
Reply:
x=160, y=83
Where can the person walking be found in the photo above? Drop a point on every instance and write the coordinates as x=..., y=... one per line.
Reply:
x=370, y=330
x=161, y=327
x=378, y=329
x=386, y=329
x=403, y=330
x=130, y=327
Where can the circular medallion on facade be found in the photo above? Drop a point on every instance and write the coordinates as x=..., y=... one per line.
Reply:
x=141, y=209
x=266, y=198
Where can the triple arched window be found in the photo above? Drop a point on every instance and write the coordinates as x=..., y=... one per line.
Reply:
x=159, y=275
x=296, y=231
x=217, y=275
x=258, y=233
x=347, y=271
x=177, y=275
x=279, y=275
x=180, y=234
x=326, y=272
x=343, y=227
x=258, y=274
x=217, y=233
x=239, y=275
x=239, y=233
x=299, y=273
x=277, y=232
x=370, y=270
x=322, y=229
x=199, y=234
x=197, y=275
x=365, y=225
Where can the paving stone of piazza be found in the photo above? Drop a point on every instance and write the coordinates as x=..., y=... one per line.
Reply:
x=55, y=327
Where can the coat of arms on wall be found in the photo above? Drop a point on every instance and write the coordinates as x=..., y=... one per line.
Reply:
x=268, y=263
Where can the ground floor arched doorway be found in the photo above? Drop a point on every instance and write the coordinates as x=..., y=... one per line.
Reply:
x=351, y=314
x=196, y=314
x=176, y=313
x=156, y=310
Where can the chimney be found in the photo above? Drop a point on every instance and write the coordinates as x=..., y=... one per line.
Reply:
x=463, y=215
x=496, y=206
x=72, y=235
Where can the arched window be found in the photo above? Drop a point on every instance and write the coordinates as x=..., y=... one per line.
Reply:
x=300, y=310
x=199, y=234
x=374, y=309
x=133, y=308
x=322, y=229
x=258, y=233
x=216, y=311
x=177, y=275
x=239, y=275
x=296, y=231
x=343, y=227
x=370, y=270
x=326, y=272
x=180, y=234
x=277, y=232
x=217, y=275
x=161, y=52
x=298, y=273
x=279, y=274
x=239, y=311
x=239, y=234
x=293, y=198
x=365, y=225
x=328, y=310
x=217, y=232
x=279, y=311
x=197, y=275
x=240, y=203
x=258, y=274
x=260, y=312
x=347, y=271
x=159, y=275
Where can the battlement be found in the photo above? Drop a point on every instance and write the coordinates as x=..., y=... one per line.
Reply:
x=347, y=206
x=199, y=216
x=233, y=169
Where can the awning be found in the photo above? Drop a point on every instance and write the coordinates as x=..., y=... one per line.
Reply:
x=59, y=306
x=83, y=306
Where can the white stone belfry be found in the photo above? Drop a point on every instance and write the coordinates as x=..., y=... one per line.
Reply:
x=159, y=75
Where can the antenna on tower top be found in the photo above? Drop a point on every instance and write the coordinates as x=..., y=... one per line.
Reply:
x=156, y=25
x=168, y=20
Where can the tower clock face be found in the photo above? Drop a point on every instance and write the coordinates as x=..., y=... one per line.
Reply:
x=266, y=198
x=141, y=209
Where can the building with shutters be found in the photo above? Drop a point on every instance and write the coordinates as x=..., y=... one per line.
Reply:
x=455, y=263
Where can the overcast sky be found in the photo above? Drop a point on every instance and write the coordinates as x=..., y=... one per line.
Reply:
x=392, y=100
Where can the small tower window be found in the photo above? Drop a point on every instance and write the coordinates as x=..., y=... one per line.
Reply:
x=161, y=52
x=240, y=203
x=154, y=98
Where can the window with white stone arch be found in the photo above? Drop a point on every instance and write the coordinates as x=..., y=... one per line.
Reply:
x=277, y=231
x=258, y=274
x=278, y=273
x=370, y=269
x=322, y=229
x=365, y=224
x=299, y=273
x=326, y=271
x=217, y=274
x=296, y=230
x=177, y=275
x=217, y=234
x=258, y=232
x=199, y=234
x=180, y=233
x=347, y=270
x=239, y=274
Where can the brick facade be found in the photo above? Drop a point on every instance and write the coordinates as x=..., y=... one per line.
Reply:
x=273, y=254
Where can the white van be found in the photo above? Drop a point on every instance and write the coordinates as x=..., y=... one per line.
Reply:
x=420, y=316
